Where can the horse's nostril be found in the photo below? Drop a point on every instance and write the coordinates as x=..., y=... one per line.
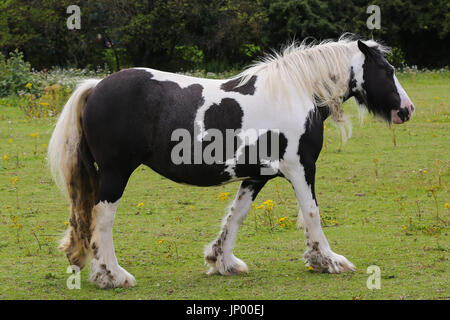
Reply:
x=403, y=114
x=412, y=108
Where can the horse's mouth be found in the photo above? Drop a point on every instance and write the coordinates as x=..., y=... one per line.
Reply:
x=402, y=115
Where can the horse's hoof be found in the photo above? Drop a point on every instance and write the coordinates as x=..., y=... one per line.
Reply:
x=233, y=267
x=327, y=261
x=111, y=277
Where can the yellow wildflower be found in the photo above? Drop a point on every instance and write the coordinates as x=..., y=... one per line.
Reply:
x=223, y=196
x=310, y=268
x=34, y=135
x=403, y=227
x=14, y=180
x=140, y=204
x=160, y=241
x=268, y=204
x=447, y=205
x=29, y=86
x=281, y=220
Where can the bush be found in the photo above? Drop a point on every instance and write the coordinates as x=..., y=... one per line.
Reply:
x=189, y=57
x=48, y=104
x=57, y=86
x=43, y=93
x=16, y=76
x=396, y=58
x=109, y=58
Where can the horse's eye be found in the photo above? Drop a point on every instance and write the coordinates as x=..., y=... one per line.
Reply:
x=391, y=72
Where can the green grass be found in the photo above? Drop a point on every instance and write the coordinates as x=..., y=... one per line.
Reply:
x=384, y=216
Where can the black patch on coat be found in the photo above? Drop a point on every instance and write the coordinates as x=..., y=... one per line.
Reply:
x=246, y=164
x=226, y=115
x=254, y=186
x=233, y=85
x=325, y=112
x=310, y=146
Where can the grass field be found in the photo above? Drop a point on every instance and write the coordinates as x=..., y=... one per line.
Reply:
x=382, y=204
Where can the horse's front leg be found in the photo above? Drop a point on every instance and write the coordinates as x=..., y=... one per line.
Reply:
x=219, y=253
x=318, y=254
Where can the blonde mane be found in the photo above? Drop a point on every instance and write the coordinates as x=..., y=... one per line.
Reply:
x=319, y=72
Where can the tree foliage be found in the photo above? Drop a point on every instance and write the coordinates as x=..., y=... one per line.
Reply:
x=211, y=34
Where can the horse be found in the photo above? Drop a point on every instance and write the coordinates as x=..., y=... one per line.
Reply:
x=138, y=116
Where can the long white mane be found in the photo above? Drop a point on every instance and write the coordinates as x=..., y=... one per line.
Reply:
x=319, y=72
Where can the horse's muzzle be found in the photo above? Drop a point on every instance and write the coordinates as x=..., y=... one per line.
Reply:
x=403, y=114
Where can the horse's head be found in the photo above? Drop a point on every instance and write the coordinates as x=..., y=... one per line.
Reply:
x=375, y=86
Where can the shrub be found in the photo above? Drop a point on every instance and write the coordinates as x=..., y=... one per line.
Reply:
x=48, y=104
x=396, y=57
x=43, y=93
x=189, y=57
x=109, y=58
x=15, y=75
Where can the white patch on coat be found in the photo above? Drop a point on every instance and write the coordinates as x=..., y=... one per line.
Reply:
x=405, y=101
x=358, y=71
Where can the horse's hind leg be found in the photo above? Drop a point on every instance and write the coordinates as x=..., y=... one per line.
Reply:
x=219, y=253
x=105, y=270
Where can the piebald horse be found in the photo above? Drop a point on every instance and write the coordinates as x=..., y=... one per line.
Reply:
x=137, y=116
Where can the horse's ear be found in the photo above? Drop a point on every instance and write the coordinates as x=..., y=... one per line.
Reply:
x=364, y=48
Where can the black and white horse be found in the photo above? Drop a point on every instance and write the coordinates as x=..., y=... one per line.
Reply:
x=139, y=116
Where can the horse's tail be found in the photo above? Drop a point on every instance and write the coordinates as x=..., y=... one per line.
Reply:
x=73, y=170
